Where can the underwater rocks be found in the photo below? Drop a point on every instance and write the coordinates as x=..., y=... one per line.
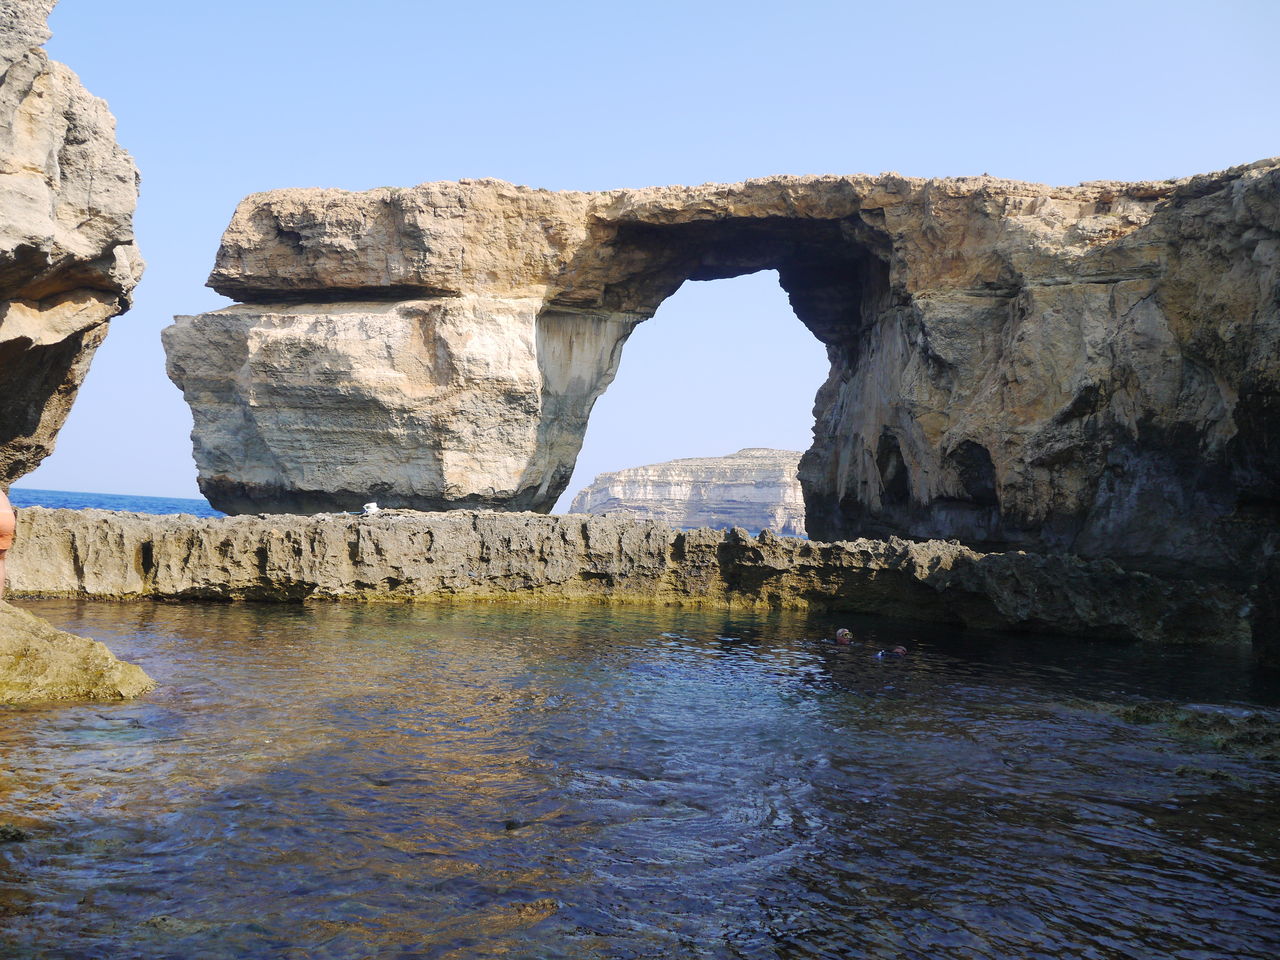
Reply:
x=39, y=662
x=755, y=489
x=1088, y=369
x=68, y=262
x=469, y=555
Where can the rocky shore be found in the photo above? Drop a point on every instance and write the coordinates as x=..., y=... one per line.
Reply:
x=485, y=556
x=39, y=662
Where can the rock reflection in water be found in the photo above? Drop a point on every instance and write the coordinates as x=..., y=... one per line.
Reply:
x=346, y=781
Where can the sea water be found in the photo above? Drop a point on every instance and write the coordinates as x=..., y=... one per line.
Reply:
x=331, y=781
x=25, y=497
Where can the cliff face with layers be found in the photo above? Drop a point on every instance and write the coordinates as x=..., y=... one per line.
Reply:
x=68, y=262
x=1091, y=368
x=756, y=489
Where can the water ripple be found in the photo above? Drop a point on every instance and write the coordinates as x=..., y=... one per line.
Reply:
x=473, y=782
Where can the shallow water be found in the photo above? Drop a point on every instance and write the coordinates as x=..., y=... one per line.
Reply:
x=342, y=782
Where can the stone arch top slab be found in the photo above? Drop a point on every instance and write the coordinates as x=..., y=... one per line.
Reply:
x=625, y=250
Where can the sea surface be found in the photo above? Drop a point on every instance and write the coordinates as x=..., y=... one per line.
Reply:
x=341, y=781
x=24, y=497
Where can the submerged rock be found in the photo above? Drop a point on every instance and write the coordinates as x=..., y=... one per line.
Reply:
x=1232, y=729
x=40, y=662
x=1090, y=369
x=68, y=262
x=467, y=555
x=756, y=489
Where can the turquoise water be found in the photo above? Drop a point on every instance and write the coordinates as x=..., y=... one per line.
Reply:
x=483, y=781
x=23, y=497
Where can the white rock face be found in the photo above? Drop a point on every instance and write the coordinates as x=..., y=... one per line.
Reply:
x=756, y=488
x=68, y=262
x=429, y=404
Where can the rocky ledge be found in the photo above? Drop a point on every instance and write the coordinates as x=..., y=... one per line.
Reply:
x=756, y=489
x=468, y=555
x=38, y=662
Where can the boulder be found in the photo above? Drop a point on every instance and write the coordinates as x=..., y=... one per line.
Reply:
x=1093, y=369
x=68, y=262
x=39, y=662
x=756, y=489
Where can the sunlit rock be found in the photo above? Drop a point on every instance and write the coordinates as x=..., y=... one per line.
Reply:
x=1091, y=368
x=38, y=662
x=68, y=262
x=756, y=489
x=485, y=556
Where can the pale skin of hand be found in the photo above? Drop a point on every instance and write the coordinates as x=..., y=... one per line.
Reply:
x=7, y=523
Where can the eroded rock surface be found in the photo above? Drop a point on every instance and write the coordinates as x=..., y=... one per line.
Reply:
x=469, y=555
x=39, y=662
x=756, y=489
x=1093, y=369
x=68, y=262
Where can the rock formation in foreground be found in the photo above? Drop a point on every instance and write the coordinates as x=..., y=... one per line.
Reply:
x=38, y=662
x=756, y=489
x=468, y=555
x=1093, y=369
x=68, y=262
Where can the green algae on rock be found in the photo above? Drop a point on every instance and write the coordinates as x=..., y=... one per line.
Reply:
x=40, y=662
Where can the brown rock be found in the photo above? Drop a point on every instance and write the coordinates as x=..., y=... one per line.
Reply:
x=467, y=555
x=39, y=662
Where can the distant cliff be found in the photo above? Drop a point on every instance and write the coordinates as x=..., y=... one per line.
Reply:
x=755, y=488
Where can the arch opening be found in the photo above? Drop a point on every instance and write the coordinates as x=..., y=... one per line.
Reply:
x=721, y=367
x=834, y=273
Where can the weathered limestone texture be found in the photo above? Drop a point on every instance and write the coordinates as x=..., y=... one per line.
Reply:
x=38, y=662
x=756, y=489
x=1093, y=369
x=68, y=262
x=468, y=555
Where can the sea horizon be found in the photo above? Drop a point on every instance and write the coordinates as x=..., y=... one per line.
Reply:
x=132, y=503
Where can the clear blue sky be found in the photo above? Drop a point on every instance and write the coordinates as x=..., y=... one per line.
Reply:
x=217, y=100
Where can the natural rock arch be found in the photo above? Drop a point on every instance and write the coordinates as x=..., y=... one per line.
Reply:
x=1089, y=368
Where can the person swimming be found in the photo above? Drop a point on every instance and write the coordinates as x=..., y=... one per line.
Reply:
x=8, y=523
x=897, y=653
x=843, y=637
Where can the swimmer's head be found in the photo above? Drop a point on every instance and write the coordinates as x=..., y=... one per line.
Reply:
x=843, y=636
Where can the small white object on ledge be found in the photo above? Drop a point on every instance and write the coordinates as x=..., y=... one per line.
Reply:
x=370, y=509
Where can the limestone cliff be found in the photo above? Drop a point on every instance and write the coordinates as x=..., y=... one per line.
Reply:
x=467, y=555
x=38, y=662
x=756, y=489
x=1092, y=368
x=68, y=262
